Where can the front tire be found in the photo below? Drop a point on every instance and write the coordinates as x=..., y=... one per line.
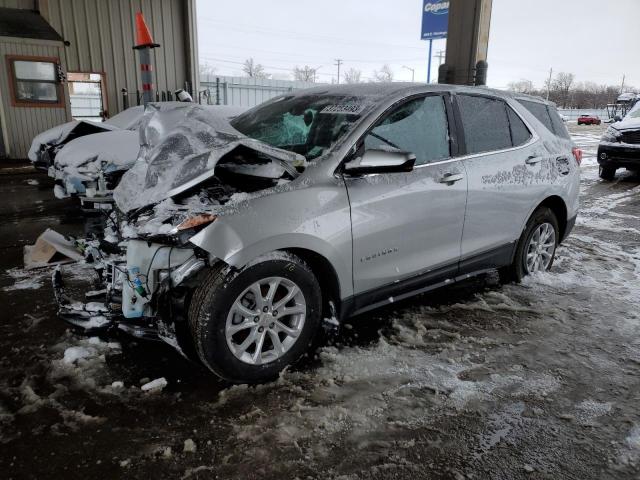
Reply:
x=536, y=248
x=248, y=326
x=607, y=173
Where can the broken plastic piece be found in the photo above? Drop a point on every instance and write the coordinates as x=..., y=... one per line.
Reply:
x=51, y=248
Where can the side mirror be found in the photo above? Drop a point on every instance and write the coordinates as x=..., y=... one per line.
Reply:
x=381, y=161
x=617, y=118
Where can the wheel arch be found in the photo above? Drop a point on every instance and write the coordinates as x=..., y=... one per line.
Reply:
x=559, y=208
x=327, y=278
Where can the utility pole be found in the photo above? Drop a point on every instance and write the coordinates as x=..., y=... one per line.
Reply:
x=338, y=63
x=622, y=86
x=315, y=72
x=549, y=83
x=413, y=72
x=440, y=56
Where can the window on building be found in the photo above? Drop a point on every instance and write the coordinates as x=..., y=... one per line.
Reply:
x=35, y=81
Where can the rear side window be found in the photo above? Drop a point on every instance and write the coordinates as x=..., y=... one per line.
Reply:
x=539, y=110
x=485, y=123
x=419, y=126
x=559, y=128
x=520, y=134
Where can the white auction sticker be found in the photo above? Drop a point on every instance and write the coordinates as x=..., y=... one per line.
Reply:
x=351, y=108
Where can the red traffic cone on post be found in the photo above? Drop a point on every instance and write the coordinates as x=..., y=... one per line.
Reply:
x=144, y=44
x=143, y=35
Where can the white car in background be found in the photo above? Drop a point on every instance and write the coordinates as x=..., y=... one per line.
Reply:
x=88, y=159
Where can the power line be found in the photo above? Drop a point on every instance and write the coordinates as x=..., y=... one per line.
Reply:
x=270, y=67
x=247, y=28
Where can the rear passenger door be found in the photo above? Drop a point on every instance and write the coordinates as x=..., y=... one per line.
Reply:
x=502, y=160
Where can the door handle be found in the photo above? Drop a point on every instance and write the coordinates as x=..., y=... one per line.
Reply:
x=533, y=160
x=451, y=178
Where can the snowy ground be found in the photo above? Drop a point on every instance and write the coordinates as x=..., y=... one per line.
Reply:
x=540, y=380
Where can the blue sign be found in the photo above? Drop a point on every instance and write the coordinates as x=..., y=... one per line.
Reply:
x=435, y=19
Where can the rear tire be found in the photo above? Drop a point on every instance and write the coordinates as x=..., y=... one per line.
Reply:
x=520, y=268
x=237, y=331
x=607, y=173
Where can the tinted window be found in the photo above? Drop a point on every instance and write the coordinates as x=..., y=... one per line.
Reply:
x=418, y=126
x=485, y=123
x=519, y=132
x=559, y=127
x=539, y=110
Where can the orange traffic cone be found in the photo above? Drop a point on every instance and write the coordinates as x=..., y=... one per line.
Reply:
x=143, y=35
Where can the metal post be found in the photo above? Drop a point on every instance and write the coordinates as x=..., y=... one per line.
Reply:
x=429, y=62
x=217, y=90
x=146, y=75
x=467, y=39
x=125, y=99
x=144, y=44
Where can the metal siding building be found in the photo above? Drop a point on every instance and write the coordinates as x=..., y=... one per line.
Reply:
x=98, y=38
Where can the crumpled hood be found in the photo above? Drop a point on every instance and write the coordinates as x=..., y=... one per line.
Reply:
x=180, y=147
x=60, y=133
x=107, y=151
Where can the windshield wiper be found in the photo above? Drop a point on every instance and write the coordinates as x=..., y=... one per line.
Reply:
x=388, y=142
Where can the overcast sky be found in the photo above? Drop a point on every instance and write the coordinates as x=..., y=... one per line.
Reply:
x=594, y=39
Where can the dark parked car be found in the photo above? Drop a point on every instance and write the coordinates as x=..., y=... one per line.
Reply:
x=620, y=145
x=588, y=119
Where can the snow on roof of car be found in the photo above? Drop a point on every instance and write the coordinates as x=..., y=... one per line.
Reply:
x=381, y=90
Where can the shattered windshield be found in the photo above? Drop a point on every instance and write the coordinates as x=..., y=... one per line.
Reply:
x=309, y=125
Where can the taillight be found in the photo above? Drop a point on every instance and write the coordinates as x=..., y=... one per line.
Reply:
x=577, y=154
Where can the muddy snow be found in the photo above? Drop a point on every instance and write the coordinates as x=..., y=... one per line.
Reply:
x=478, y=380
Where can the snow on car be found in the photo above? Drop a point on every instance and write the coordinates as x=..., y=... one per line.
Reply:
x=244, y=235
x=89, y=159
x=46, y=145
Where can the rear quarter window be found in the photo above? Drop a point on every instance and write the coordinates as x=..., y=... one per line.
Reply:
x=539, y=110
x=548, y=116
x=559, y=128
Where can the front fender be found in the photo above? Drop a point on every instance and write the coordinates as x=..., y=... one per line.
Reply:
x=315, y=217
x=224, y=243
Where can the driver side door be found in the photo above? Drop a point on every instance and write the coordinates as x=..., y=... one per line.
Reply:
x=407, y=227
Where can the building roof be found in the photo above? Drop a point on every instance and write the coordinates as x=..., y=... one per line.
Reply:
x=16, y=22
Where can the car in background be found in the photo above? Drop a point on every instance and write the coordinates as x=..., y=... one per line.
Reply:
x=89, y=160
x=589, y=119
x=243, y=237
x=619, y=147
x=46, y=145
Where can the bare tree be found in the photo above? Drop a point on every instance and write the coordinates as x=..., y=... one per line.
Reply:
x=521, y=86
x=385, y=74
x=304, y=74
x=560, y=88
x=352, y=75
x=253, y=69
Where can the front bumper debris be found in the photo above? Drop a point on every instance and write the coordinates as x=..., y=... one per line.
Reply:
x=99, y=314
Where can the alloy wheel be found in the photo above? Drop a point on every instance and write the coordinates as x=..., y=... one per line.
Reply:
x=541, y=246
x=265, y=320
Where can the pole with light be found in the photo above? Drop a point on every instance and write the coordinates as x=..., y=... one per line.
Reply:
x=413, y=72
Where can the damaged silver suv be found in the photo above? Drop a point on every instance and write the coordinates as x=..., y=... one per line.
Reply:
x=242, y=238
